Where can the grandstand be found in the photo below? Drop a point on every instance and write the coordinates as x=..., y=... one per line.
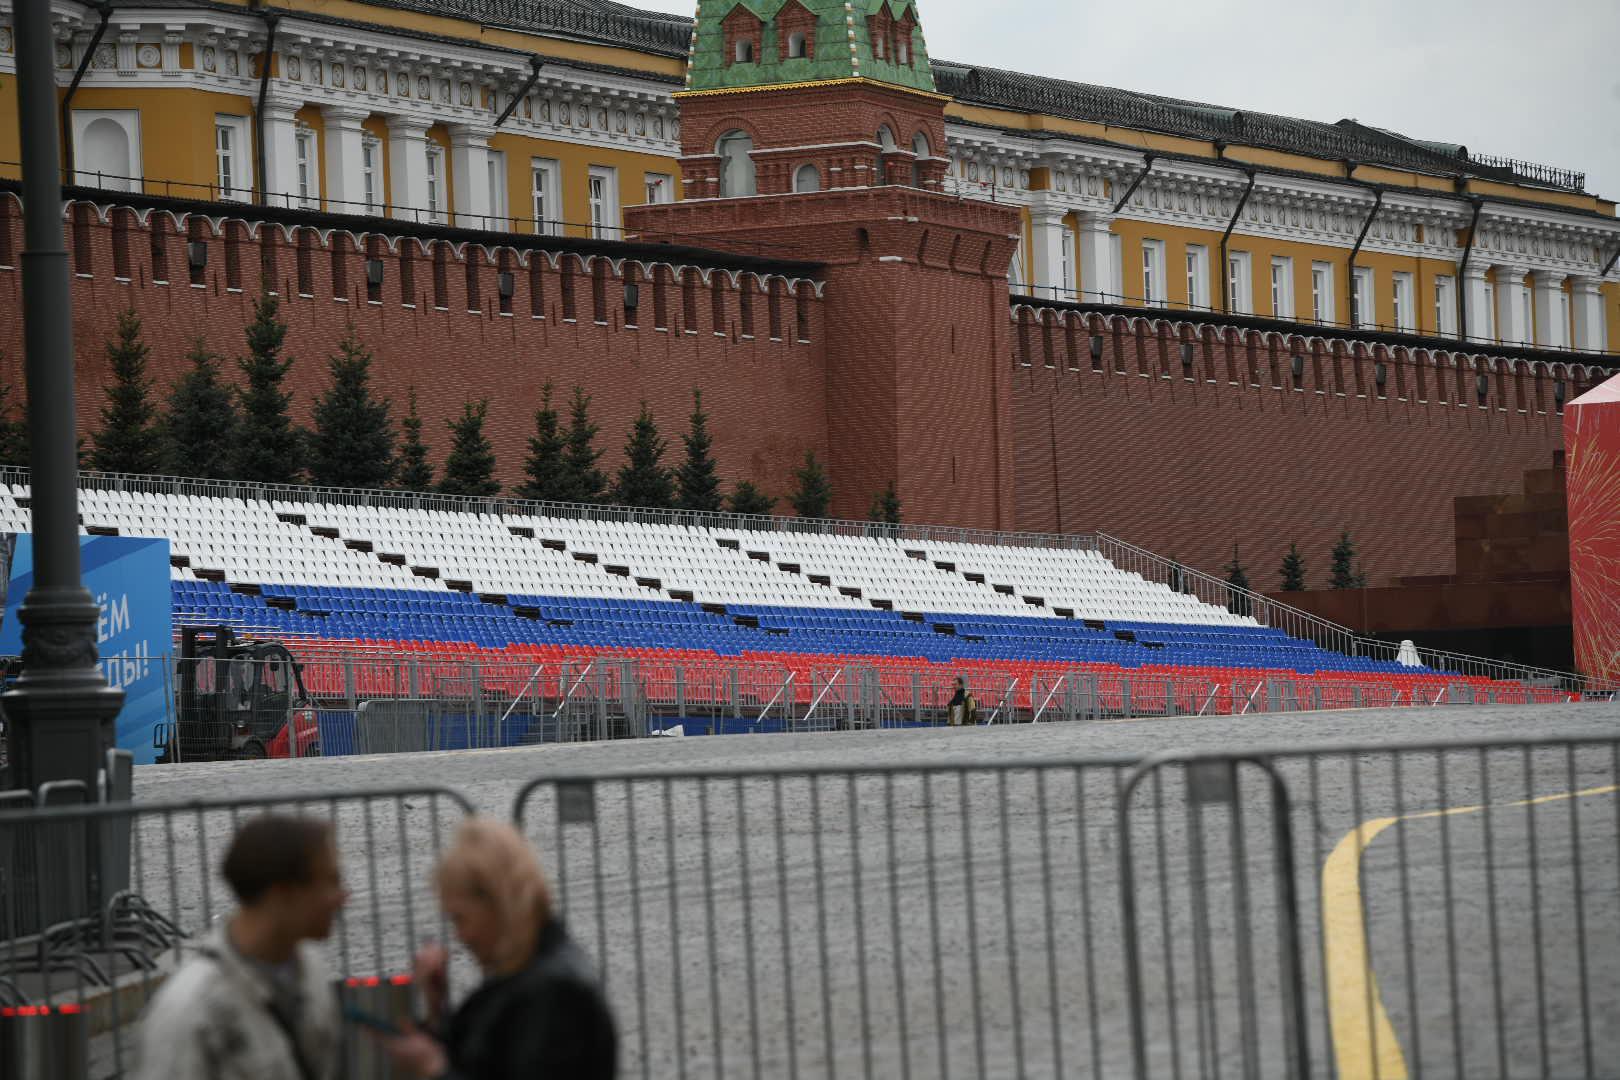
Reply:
x=393, y=574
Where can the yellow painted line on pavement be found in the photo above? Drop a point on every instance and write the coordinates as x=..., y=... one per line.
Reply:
x=1364, y=1042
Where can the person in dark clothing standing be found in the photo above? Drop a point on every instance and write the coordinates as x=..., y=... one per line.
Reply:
x=963, y=709
x=540, y=1012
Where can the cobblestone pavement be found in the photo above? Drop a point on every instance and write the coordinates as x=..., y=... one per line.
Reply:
x=966, y=920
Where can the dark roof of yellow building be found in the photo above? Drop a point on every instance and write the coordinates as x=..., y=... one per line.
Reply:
x=1345, y=140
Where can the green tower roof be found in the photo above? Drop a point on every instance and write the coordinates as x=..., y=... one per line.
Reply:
x=840, y=46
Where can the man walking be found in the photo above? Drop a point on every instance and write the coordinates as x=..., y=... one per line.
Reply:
x=255, y=1000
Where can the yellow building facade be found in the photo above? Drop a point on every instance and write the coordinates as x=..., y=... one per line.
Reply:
x=432, y=111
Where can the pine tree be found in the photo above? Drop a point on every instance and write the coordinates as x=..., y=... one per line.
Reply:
x=697, y=480
x=814, y=493
x=352, y=445
x=411, y=469
x=1238, y=578
x=269, y=448
x=886, y=506
x=1293, y=570
x=1343, y=574
x=748, y=499
x=643, y=480
x=583, y=481
x=470, y=468
x=200, y=432
x=130, y=439
x=544, y=466
x=13, y=431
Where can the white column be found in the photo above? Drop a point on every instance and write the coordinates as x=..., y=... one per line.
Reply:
x=345, y=184
x=1046, y=248
x=469, y=165
x=1096, y=257
x=1550, y=328
x=407, y=168
x=1587, y=301
x=1475, y=301
x=1511, y=325
x=280, y=154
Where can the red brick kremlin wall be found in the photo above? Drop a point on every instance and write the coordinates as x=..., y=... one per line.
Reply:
x=765, y=397
x=982, y=419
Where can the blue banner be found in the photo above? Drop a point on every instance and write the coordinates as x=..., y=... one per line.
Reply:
x=129, y=578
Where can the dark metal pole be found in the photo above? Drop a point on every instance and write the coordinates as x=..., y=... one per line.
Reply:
x=60, y=716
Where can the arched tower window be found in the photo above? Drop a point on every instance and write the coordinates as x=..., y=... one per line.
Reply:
x=807, y=178
x=736, y=164
x=745, y=51
x=886, y=146
x=795, y=46
x=920, y=151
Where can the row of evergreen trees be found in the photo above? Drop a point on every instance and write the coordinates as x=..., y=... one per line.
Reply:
x=217, y=430
x=1345, y=572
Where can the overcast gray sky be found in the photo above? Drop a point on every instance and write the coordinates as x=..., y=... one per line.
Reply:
x=1537, y=80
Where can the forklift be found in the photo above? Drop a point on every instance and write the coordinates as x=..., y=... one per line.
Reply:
x=236, y=700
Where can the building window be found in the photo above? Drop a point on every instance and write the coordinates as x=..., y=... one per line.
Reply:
x=1153, y=283
x=1490, y=312
x=1239, y=283
x=1567, y=332
x=807, y=178
x=920, y=152
x=495, y=164
x=108, y=142
x=1321, y=292
x=1405, y=310
x=370, y=182
x=306, y=167
x=1198, y=277
x=745, y=51
x=1116, y=272
x=435, y=181
x=233, y=170
x=545, y=194
x=604, y=203
x=660, y=188
x=736, y=164
x=1445, y=305
x=1363, y=302
x=1527, y=315
x=1015, y=269
x=1282, y=287
x=796, y=46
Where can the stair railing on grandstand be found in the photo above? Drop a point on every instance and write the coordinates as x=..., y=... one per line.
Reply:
x=1302, y=624
x=782, y=695
x=821, y=694
x=1047, y=701
x=517, y=698
x=568, y=695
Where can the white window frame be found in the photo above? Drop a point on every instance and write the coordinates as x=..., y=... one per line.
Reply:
x=306, y=166
x=1197, y=260
x=130, y=121
x=545, y=195
x=1445, y=304
x=602, y=196
x=1240, y=282
x=495, y=170
x=1403, y=300
x=233, y=158
x=1527, y=303
x=370, y=174
x=659, y=188
x=1490, y=311
x=433, y=181
x=1364, y=301
x=1282, y=287
x=1566, y=319
x=1322, y=311
x=1154, y=291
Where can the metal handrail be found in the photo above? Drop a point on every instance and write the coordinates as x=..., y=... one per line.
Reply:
x=566, y=698
x=771, y=704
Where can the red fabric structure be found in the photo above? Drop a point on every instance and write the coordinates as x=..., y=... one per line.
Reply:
x=1592, y=458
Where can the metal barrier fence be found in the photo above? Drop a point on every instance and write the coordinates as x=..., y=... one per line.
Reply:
x=1448, y=909
x=361, y=704
x=99, y=945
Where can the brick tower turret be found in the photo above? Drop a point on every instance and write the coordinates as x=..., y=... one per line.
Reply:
x=810, y=129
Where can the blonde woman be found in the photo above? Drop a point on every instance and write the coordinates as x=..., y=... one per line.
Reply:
x=539, y=1011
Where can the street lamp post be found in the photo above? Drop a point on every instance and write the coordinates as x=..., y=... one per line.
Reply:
x=59, y=717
